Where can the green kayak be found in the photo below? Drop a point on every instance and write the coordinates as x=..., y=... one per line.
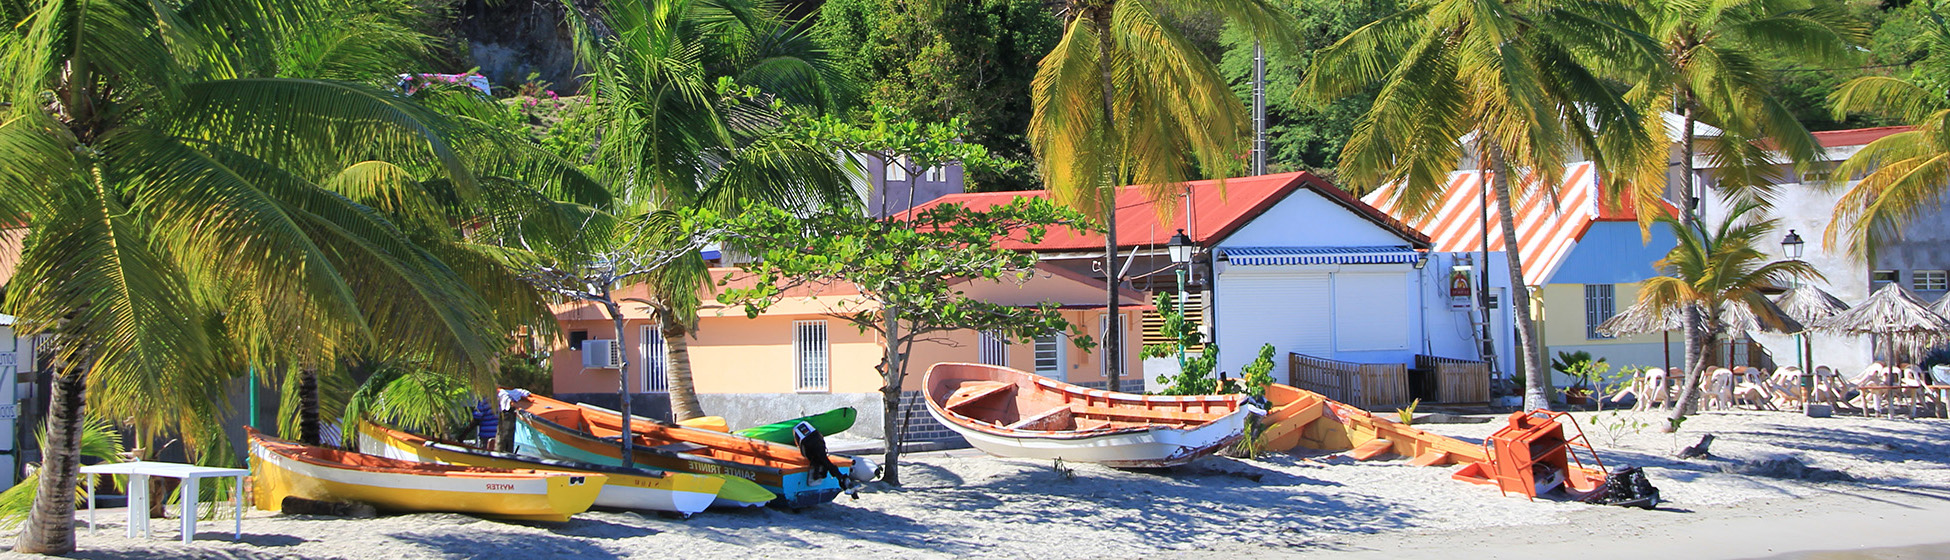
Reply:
x=830, y=422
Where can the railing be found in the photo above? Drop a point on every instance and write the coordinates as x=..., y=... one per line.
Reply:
x=1369, y=386
x=1455, y=380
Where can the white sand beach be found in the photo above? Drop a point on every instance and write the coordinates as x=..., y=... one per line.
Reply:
x=962, y=504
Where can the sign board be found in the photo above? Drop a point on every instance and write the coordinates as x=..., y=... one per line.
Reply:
x=9, y=411
x=1459, y=287
x=7, y=359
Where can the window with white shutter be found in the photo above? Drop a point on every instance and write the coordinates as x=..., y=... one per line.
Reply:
x=811, y=356
x=656, y=361
x=1049, y=357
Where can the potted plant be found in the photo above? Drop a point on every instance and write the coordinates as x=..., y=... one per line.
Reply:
x=1584, y=371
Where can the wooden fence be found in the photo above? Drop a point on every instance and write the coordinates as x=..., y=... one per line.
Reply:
x=1455, y=380
x=1369, y=386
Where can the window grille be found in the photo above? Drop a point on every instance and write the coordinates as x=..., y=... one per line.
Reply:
x=1930, y=280
x=656, y=361
x=811, y=353
x=994, y=350
x=1599, y=305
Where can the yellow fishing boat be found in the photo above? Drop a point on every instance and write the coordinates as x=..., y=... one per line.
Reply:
x=642, y=489
x=281, y=469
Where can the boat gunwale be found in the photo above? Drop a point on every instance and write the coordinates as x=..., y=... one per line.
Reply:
x=282, y=448
x=572, y=466
x=927, y=388
x=530, y=416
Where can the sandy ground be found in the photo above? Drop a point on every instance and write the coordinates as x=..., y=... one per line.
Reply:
x=960, y=504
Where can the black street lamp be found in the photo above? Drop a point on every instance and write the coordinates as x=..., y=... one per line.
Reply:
x=1180, y=248
x=1792, y=245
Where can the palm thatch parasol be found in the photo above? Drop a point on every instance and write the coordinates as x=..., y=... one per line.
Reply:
x=1809, y=305
x=1735, y=318
x=1894, y=315
x=1942, y=306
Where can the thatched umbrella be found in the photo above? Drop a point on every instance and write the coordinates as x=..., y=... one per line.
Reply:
x=1894, y=315
x=1809, y=305
x=1942, y=305
x=1736, y=317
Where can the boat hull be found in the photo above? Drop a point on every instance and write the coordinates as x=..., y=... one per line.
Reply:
x=681, y=493
x=830, y=422
x=794, y=488
x=1012, y=413
x=400, y=486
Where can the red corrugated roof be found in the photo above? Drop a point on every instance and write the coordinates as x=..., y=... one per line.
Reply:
x=1856, y=136
x=1216, y=214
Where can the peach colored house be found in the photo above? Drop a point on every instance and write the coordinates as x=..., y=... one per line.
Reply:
x=798, y=359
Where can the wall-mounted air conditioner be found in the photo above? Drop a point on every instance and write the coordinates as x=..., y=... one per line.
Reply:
x=602, y=354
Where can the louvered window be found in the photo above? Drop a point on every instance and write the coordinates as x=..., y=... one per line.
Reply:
x=994, y=350
x=1599, y=305
x=656, y=361
x=811, y=354
x=1154, y=322
x=1049, y=357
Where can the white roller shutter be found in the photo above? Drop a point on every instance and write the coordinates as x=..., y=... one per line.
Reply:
x=1288, y=310
x=1371, y=311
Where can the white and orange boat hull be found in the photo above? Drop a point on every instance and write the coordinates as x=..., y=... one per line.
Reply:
x=1040, y=418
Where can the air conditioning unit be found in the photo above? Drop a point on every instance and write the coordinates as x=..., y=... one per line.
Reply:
x=602, y=354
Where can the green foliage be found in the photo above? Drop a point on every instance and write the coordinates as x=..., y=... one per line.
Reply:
x=1195, y=372
x=1301, y=135
x=1618, y=424
x=1259, y=373
x=1715, y=267
x=1407, y=415
x=1580, y=366
x=940, y=61
x=99, y=439
x=409, y=397
x=530, y=373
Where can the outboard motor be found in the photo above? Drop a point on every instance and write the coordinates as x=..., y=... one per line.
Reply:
x=813, y=445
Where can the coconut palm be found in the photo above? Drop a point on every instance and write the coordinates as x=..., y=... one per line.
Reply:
x=683, y=90
x=1124, y=99
x=1522, y=81
x=175, y=196
x=1718, y=53
x=1714, y=270
x=1903, y=174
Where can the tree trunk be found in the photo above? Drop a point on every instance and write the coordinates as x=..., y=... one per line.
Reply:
x=308, y=423
x=626, y=443
x=683, y=391
x=50, y=524
x=890, y=397
x=1112, y=345
x=1690, y=316
x=1537, y=379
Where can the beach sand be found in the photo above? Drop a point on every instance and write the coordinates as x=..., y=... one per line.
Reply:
x=962, y=504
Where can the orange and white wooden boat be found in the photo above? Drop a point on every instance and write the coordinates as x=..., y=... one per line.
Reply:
x=1012, y=413
x=281, y=469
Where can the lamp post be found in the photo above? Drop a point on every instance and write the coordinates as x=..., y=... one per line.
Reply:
x=1791, y=246
x=1180, y=248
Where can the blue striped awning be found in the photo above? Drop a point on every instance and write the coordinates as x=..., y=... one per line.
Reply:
x=1276, y=256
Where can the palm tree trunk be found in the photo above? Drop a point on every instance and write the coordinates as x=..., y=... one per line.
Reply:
x=1690, y=315
x=50, y=524
x=1537, y=380
x=1112, y=344
x=308, y=424
x=683, y=390
x=890, y=397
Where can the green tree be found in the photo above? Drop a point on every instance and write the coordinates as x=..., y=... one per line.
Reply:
x=898, y=141
x=905, y=272
x=1523, y=82
x=1301, y=136
x=935, y=61
x=690, y=96
x=180, y=222
x=1719, y=76
x=1903, y=174
x=1713, y=269
x=1124, y=99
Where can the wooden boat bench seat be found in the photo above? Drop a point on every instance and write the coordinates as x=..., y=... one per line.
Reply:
x=1142, y=415
x=975, y=392
x=1059, y=418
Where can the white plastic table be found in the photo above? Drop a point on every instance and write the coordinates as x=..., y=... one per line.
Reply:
x=139, y=473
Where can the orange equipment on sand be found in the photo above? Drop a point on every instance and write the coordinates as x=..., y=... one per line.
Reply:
x=1530, y=456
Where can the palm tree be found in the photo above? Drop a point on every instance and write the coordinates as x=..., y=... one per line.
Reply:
x=1718, y=53
x=1124, y=99
x=676, y=137
x=1712, y=270
x=1523, y=81
x=1903, y=174
x=168, y=182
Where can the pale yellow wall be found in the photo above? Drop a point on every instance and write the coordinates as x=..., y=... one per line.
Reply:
x=734, y=354
x=1562, y=316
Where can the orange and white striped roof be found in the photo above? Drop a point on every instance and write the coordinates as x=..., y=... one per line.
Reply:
x=1546, y=232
